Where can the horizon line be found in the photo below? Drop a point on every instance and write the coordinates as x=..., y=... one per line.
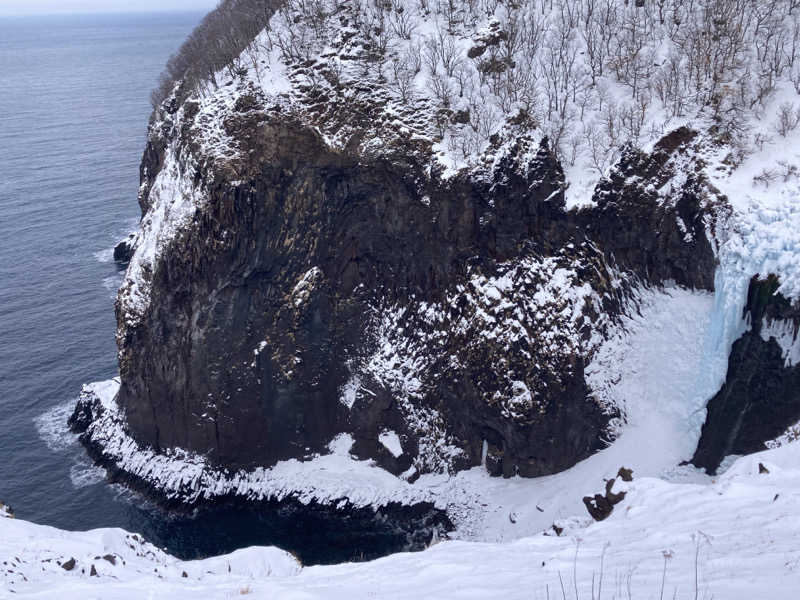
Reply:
x=84, y=13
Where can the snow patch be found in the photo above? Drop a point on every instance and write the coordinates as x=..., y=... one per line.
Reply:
x=347, y=395
x=302, y=290
x=341, y=444
x=391, y=441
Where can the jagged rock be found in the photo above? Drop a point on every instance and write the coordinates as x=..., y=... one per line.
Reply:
x=625, y=474
x=489, y=37
x=762, y=470
x=600, y=506
x=460, y=116
x=81, y=417
x=476, y=51
x=6, y=511
x=659, y=241
x=68, y=565
x=760, y=398
x=611, y=496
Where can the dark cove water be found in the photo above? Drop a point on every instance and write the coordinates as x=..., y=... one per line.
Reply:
x=74, y=103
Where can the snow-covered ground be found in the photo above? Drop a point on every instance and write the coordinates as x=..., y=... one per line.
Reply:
x=730, y=538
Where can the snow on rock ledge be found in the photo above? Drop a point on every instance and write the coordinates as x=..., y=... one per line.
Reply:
x=334, y=479
x=173, y=198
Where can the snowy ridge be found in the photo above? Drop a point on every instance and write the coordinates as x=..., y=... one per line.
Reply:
x=732, y=538
x=457, y=80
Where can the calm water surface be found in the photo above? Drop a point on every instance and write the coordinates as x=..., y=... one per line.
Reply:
x=74, y=102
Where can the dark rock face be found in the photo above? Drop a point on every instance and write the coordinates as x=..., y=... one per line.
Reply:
x=81, y=418
x=305, y=265
x=359, y=238
x=761, y=395
x=659, y=241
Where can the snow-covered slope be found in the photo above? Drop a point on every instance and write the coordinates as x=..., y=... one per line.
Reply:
x=112, y=563
x=730, y=538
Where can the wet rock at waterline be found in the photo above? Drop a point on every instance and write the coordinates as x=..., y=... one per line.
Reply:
x=123, y=251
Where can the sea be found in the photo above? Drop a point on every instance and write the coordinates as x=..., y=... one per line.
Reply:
x=74, y=107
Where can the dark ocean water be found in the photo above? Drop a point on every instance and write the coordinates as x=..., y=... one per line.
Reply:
x=73, y=115
x=74, y=104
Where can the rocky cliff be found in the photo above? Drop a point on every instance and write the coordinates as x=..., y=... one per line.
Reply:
x=318, y=293
x=322, y=255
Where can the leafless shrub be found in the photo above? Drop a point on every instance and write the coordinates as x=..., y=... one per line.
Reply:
x=788, y=170
x=788, y=118
x=759, y=139
x=600, y=149
x=441, y=50
x=766, y=177
x=402, y=21
x=402, y=76
x=442, y=90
